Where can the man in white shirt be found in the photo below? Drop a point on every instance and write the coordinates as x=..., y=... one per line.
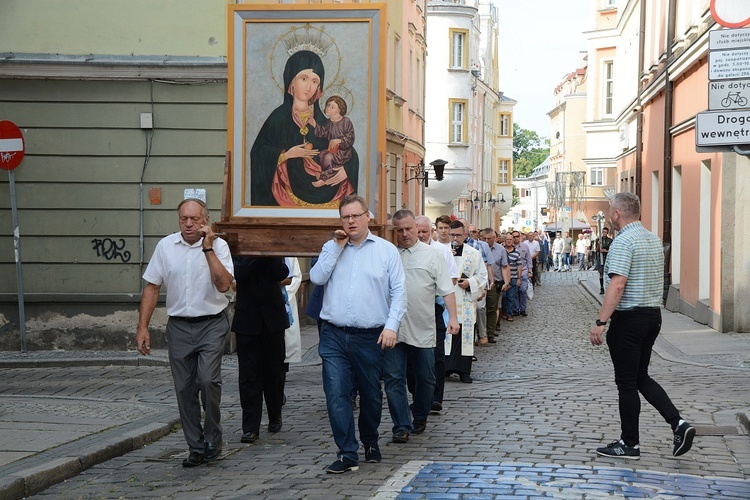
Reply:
x=557, y=250
x=426, y=276
x=197, y=269
x=423, y=225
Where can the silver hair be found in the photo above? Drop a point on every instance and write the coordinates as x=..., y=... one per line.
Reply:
x=627, y=203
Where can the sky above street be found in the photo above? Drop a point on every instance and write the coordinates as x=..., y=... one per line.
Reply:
x=540, y=42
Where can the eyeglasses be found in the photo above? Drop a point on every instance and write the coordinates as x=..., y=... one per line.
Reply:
x=346, y=218
x=457, y=235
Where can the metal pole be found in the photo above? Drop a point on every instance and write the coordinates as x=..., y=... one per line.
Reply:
x=19, y=269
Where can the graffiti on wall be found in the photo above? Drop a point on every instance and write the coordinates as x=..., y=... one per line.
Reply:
x=111, y=249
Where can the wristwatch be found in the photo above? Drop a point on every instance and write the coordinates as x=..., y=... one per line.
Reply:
x=600, y=323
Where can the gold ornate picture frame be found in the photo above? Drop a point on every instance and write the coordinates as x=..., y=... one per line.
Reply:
x=306, y=94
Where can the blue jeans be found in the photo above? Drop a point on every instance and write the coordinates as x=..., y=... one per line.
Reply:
x=510, y=299
x=522, y=293
x=352, y=358
x=581, y=261
x=421, y=361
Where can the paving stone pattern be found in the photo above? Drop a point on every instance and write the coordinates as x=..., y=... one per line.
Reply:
x=542, y=401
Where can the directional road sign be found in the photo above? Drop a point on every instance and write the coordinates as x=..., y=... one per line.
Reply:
x=721, y=128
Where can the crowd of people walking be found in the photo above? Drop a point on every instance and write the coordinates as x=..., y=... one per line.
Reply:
x=402, y=318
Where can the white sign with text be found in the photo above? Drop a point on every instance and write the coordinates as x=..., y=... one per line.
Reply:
x=728, y=94
x=722, y=128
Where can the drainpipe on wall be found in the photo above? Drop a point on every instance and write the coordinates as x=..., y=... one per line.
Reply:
x=667, y=175
x=639, y=115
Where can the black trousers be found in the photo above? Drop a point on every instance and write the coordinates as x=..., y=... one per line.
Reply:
x=261, y=375
x=631, y=338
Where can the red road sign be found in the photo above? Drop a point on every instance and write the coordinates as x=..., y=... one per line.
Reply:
x=12, y=147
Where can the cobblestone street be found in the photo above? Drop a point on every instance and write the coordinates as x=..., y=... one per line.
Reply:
x=542, y=400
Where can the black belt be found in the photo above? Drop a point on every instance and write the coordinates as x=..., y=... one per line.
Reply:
x=354, y=329
x=197, y=319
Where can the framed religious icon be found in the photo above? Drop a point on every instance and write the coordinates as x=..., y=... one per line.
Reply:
x=306, y=122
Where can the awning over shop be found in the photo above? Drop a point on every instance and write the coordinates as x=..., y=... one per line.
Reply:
x=576, y=225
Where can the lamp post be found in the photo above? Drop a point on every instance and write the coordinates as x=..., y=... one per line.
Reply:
x=475, y=201
x=599, y=219
x=421, y=173
x=488, y=200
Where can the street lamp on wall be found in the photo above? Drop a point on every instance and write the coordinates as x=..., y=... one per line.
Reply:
x=488, y=200
x=475, y=200
x=421, y=172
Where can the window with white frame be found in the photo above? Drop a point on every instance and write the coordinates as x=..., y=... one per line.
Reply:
x=505, y=124
x=458, y=48
x=458, y=121
x=503, y=171
x=596, y=177
x=608, y=87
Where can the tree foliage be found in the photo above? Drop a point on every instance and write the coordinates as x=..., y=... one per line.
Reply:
x=529, y=150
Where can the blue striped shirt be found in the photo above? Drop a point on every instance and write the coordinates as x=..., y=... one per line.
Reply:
x=364, y=285
x=638, y=255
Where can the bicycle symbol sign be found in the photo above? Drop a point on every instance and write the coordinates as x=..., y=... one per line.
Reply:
x=729, y=94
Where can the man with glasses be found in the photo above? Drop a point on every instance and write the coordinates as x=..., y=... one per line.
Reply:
x=364, y=300
x=469, y=288
x=196, y=268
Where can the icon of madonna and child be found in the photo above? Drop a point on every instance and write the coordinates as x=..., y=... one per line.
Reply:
x=303, y=156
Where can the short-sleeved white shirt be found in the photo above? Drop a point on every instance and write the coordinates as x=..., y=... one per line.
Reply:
x=426, y=277
x=184, y=270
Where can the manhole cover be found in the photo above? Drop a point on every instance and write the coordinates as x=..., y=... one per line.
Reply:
x=169, y=455
x=715, y=430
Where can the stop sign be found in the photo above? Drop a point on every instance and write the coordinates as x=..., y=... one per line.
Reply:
x=11, y=145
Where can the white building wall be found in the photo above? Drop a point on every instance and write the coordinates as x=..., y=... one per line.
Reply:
x=442, y=85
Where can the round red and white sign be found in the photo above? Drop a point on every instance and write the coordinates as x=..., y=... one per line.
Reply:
x=12, y=147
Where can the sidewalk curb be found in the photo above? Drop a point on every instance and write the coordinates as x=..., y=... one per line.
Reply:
x=27, y=477
x=73, y=361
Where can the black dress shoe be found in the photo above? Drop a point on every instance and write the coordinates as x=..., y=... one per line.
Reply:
x=193, y=460
x=491, y=340
x=211, y=451
x=274, y=425
x=437, y=406
x=418, y=427
x=466, y=378
x=249, y=437
x=400, y=437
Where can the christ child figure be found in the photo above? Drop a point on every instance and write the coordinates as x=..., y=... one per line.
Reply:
x=339, y=130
